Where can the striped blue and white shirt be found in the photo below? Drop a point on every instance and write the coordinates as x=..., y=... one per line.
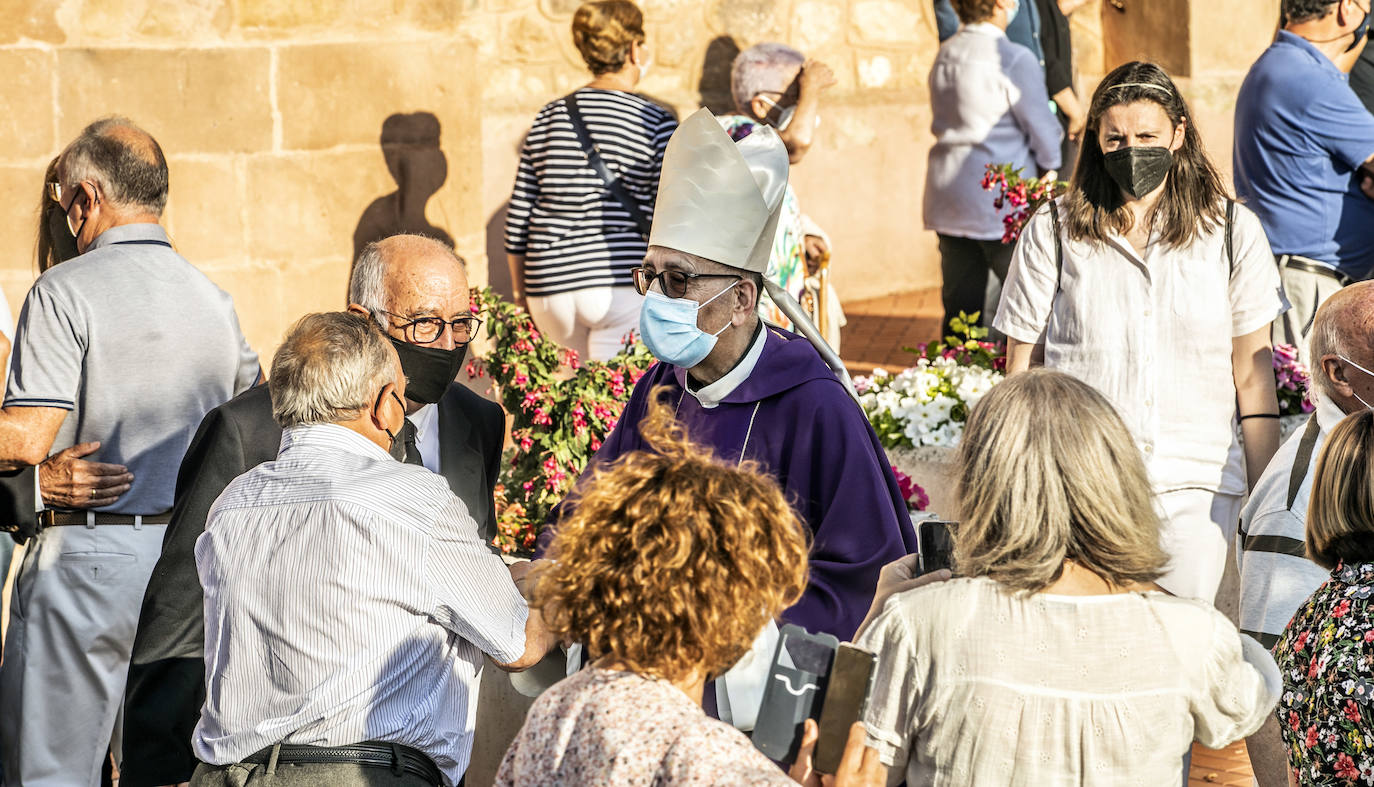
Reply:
x=348, y=598
x=573, y=233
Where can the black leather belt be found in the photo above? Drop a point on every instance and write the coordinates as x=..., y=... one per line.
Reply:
x=397, y=758
x=1312, y=266
x=50, y=518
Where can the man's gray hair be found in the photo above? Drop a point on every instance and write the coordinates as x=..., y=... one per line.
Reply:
x=367, y=283
x=760, y=68
x=1327, y=339
x=123, y=161
x=329, y=369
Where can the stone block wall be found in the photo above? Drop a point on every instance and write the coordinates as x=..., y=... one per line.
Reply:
x=271, y=113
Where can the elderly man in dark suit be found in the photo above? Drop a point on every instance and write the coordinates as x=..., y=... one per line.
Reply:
x=417, y=289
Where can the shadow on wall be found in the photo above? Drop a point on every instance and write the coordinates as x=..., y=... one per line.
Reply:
x=714, y=87
x=410, y=145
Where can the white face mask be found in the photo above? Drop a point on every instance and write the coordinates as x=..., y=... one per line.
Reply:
x=1352, y=388
x=785, y=116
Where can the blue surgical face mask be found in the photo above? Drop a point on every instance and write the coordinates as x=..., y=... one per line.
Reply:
x=1352, y=389
x=669, y=329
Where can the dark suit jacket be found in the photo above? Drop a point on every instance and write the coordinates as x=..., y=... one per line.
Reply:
x=166, y=686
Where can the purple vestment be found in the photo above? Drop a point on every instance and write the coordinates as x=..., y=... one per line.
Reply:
x=801, y=427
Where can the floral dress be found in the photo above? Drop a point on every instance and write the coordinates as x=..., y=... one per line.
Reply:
x=787, y=265
x=1326, y=657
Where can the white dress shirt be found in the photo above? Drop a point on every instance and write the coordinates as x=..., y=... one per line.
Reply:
x=989, y=106
x=426, y=421
x=348, y=598
x=1153, y=334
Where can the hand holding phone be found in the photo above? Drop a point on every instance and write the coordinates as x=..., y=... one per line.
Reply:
x=797, y=681
x=846, y=696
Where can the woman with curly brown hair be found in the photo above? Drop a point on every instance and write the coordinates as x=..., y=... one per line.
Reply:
x=671, y=564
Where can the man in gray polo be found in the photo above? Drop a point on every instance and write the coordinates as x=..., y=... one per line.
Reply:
x=130, y=346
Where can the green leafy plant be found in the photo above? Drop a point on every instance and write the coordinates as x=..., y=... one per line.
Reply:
x=562, y=408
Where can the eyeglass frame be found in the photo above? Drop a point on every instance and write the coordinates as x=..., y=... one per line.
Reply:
x=656, y=277
x=407, y=327
x=55, y=191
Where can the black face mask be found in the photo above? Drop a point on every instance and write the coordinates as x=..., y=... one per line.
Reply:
x=428, y=370
x=1139, y=171
x=398, y=448
x=1360, y=32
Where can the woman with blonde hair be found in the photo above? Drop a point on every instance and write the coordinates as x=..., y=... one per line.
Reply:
x=585, y=190
x=1326, y=654
x=1053, y=659
x=670, y=565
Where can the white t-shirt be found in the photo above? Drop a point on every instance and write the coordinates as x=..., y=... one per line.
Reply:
x=978, y=686
x=1153, y=334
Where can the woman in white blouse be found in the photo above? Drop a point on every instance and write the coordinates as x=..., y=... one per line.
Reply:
x=1148, y=283
x=1052, y=660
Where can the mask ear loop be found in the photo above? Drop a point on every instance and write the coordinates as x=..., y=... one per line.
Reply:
x=1352, y=389
x=717, y=295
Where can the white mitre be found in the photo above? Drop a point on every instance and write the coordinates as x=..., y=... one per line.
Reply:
x=720, y=199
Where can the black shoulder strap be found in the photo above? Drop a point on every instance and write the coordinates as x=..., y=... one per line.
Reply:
x=1303, y=460
x=613, y=184
x=1058, y=246
x=1230, y=245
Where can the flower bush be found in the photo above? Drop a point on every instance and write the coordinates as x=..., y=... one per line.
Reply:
x=928, y=403
x=562, y=408
x=915, y=497
x=1023, y=195
x=1292, y=380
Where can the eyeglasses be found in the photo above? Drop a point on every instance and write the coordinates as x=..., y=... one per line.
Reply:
x=54, y=191
x=427, y=330
x=673, y=283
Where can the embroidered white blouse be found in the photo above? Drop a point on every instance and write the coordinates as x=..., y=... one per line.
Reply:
x=977, y=686
x=1153, y=334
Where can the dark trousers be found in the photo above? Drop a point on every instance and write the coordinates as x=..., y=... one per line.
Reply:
x=342, y=774
x=964, y=266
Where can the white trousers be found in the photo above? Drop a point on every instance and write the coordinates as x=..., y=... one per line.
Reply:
x=593, y=322
x=72, y=623
x=1196, y=526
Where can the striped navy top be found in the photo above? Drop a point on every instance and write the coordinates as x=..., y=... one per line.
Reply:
x=573, y=232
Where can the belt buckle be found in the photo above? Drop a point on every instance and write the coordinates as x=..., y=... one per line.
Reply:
x=46, y=518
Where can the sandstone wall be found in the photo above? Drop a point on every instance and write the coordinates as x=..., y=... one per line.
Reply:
x=271, y=113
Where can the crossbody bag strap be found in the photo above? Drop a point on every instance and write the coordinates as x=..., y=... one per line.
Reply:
x=1058, y=247
x=613, y=183
x=1230, y=243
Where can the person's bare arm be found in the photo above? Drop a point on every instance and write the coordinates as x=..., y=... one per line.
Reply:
x=1068, y=103
x=516, y=263
x=800, y=133
x=1367, y=177
x=538, y=640
x=1021, y=356
x=1253, y=372
x=27, y=434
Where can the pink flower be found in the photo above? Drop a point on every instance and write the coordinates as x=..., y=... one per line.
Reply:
x=1341, y=609
x=1345, y=767
x=521, y=380
x=595, y=444
x=525, y=442
x=531, y=399
x=527, y=486
x=540, y=418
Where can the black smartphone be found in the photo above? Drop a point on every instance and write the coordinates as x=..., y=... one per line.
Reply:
x=797, y=680
x=846, y=696
x=935, y=545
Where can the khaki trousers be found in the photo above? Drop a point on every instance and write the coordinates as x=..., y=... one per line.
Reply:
x=1306, y=291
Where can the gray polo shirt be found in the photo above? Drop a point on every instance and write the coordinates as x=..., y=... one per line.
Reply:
x=139, y=346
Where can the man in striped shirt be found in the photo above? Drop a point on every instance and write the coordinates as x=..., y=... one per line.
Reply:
x=1275, y=575
x=349, y=597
